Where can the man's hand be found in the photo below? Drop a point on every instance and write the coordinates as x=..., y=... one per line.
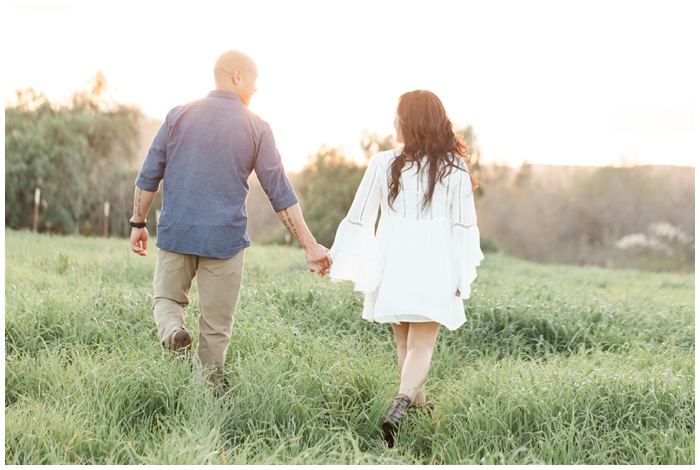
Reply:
x=139, y=240
x=317, y=259
x=315, y=254
x=142, y=204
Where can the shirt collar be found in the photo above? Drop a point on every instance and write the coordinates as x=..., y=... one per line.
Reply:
x=224, y=94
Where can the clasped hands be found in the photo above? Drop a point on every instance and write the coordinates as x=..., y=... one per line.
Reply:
x=318, y=260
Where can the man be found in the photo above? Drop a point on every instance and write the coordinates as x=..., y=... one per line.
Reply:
x=204, y=152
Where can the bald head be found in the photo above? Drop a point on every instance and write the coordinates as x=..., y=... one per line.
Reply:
x=234, y=71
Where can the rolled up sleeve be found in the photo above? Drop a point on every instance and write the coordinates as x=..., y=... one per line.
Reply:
x=153, y=167
x=270, y=173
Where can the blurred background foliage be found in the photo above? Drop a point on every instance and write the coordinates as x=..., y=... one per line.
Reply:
x=88, y=151
x=79, y=154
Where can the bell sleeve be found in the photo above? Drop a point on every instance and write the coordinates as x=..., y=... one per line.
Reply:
x=466, y=248
x=355, y=252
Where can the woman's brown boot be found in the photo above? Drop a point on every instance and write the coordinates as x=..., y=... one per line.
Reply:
x=397, y=412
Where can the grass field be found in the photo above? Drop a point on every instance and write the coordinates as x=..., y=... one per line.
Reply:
x=555, y=365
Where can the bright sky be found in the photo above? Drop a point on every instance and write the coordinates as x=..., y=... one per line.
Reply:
x=561, y=82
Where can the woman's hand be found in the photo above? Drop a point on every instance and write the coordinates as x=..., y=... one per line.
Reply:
x=317, y=259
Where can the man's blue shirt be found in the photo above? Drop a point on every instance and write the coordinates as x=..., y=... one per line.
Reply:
x=204, y=152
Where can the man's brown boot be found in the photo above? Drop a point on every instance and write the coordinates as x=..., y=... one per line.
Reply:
x=181, y=341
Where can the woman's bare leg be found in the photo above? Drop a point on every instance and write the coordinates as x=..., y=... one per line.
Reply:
x=416, y=365
x=401, y=337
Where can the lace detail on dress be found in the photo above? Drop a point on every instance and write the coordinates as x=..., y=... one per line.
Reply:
x=431, y=208
x=447, y=196
x=471, y=193
x=460, y=198
x=418, y=176
x=369, y=191
x=419, y=208
x=403, y=198
x=463, y=226
x=359, y=224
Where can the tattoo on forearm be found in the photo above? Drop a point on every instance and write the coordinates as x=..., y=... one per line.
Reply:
x=288, y=223
x=137, y=207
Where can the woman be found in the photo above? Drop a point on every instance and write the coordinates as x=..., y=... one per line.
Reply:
x=419, y=265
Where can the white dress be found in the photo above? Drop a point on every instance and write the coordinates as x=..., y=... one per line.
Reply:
x=411, y=268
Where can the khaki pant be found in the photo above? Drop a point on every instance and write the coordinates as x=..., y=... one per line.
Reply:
x=219, y=286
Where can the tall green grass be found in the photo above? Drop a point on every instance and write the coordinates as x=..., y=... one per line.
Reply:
x=555, y=365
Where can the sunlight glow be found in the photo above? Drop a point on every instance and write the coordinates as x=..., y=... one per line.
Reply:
x=545, y=82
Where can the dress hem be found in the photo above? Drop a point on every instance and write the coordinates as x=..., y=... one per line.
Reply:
x=393, y=319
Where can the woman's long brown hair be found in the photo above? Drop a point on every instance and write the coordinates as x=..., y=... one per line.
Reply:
x=426, y=131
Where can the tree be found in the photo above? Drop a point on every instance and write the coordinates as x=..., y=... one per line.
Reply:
x=77, y=154
x=469, y=138
x=326, y=188
x=372, y=144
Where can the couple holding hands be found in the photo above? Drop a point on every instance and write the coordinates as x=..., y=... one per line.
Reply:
x=414, y=269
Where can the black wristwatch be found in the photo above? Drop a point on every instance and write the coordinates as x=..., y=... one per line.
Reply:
x=137, y=224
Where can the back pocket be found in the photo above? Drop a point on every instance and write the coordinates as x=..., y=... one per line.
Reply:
x=171, y=261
